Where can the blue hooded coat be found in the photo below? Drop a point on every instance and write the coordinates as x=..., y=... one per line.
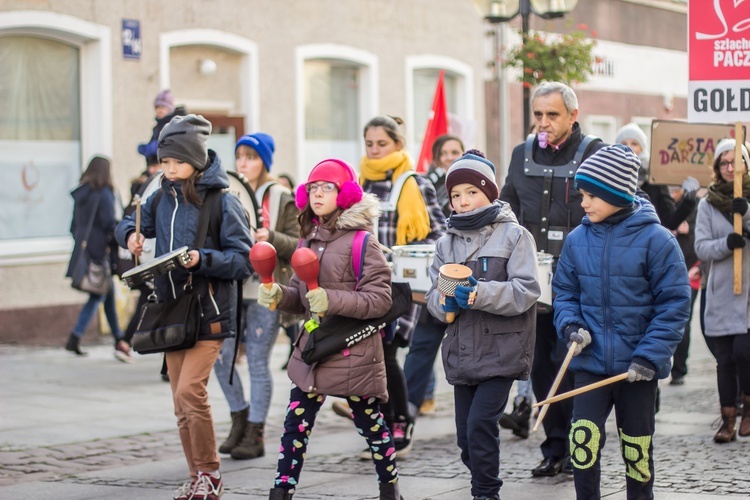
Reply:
x=175, y=225
x=626, y=283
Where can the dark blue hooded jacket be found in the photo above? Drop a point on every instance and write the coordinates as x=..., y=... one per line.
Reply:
x=175, y=226
x=627, y=284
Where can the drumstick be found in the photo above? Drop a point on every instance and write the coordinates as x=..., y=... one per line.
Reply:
x=137, y=200
x=556, y=383
x=581, y=390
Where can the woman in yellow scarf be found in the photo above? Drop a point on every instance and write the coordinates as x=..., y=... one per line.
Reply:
x=415, y=219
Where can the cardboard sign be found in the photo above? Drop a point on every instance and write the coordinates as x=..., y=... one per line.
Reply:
x=680, y=149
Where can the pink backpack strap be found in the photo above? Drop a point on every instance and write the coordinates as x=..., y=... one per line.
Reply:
x=358, y=253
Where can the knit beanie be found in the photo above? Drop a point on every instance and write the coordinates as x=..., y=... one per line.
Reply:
x=633, y=132
x=475, y=170
x=184, y=138
x=725, y=145
x=610, y=174
x=262, y=143
x=165, y=98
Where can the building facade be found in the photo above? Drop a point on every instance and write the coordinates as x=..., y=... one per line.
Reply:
x=78, y=78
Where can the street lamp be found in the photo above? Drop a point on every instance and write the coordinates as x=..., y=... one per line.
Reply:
x=502, y=11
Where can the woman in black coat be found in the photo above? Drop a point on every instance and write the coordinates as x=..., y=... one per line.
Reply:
x=94, y=204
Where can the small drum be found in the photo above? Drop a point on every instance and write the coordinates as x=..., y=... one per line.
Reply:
x=240, y=187
x=160, y=265
x=451, y=276
x=544, y=276
x=153, y=184
x=411, y=264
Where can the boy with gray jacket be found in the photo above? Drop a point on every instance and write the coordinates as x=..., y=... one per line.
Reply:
x=491, y=341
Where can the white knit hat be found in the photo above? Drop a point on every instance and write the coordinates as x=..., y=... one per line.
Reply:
x=634, y=132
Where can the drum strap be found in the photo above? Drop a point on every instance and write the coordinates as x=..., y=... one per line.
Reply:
x=390, y=204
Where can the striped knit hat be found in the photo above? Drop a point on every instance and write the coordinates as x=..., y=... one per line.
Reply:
x=610, y=174
x=474, y=169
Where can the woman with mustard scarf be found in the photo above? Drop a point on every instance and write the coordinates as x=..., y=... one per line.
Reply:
x=418, y=219
x=727, y=316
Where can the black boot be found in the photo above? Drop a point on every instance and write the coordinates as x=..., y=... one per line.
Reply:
x=518, y=420
x=279, y=494
x=74, y=345
x=389, y=491
x=239, y=421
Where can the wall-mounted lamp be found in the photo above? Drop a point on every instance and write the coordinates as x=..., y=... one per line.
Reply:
x=668, y=102
x=207, y=67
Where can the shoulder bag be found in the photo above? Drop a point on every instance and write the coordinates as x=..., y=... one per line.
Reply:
x=89, y=275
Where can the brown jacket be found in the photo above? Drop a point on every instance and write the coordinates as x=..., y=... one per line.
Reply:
x=361, y=371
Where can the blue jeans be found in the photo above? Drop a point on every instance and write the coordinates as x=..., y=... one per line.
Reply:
x=262, y=330
x=89, y=309
x=418, y=366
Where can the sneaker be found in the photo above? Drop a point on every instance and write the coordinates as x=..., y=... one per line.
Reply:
x=185, y=492
x=123, y=351
x=428, y=407
x=402, y=438
x=207, y=487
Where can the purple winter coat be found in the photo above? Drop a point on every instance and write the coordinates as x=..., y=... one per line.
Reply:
x=361, y=370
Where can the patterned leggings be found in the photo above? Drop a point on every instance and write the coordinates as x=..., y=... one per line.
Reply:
x=300, y=420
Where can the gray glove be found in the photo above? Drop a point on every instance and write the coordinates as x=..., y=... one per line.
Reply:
x=639, y=373
x=582, y=337
x=690, y=184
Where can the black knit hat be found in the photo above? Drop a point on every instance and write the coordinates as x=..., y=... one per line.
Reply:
x=610, y=174
x=184, y=138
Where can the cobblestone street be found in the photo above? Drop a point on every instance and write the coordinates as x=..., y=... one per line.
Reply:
x=122, y=438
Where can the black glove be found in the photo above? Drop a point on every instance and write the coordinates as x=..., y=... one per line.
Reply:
x=735, y=240
x=739, y=206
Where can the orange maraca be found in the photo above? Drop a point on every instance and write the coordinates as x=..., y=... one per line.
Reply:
x=263, y=259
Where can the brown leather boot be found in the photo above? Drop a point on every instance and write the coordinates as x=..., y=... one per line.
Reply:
x=745, y=422
x=239, y=422
x=726, y=432
x=252, y=445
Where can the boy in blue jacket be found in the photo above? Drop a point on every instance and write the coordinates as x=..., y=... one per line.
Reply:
x=622, y=294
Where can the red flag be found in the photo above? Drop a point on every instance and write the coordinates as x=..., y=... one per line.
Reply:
x=437, y=125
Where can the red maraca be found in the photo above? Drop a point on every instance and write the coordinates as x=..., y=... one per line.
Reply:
x=263, y=259
x=306, y=266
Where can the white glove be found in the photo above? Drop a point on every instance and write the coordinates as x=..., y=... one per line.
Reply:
x=318, y=299
x=269, y=296
x=582, y=338
x=691, y=184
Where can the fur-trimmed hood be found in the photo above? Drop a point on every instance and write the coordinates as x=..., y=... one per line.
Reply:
x=361, y=215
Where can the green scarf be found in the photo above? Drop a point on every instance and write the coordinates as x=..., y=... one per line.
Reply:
x=720, y=193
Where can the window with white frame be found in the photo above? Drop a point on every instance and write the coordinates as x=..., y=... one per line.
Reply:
x=425, y=81
x=40, y=136
x=332, y=110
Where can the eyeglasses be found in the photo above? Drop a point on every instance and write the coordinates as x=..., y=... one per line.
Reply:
x=726, y=164
x=327, y=187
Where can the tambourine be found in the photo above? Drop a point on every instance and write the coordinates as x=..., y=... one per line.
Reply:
x=160, y=265
x=451, y=276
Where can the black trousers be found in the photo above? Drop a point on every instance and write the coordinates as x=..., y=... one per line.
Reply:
x=732, y=353
x=549, y=354
x=478, y=409
x=397, y=407
x=679, y=361
x=634, y=413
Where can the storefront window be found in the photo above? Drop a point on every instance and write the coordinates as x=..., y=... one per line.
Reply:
x=332, y=121
x=39, y=136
